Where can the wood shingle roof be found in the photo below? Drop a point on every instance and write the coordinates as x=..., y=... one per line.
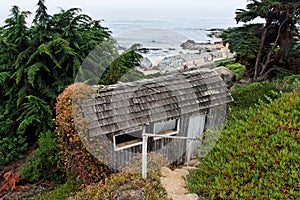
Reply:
x=129, y=105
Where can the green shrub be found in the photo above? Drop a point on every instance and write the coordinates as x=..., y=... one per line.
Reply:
x=60, y=193
x=12, y=145
x=43, y=163
x=238, y=70
x=121, y=68
x=287, y=81
x=125, y=186
x=250, y=94
x=256, y=157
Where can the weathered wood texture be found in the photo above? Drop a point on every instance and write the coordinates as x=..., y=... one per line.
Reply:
x=124, y=106
x=198, y=99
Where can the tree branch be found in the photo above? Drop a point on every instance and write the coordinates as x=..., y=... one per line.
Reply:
x=262, y=42
x=268, y=60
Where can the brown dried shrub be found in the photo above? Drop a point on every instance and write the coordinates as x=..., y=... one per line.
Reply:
x=75, y=156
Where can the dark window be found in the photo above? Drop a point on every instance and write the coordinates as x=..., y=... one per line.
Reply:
x=127, y=140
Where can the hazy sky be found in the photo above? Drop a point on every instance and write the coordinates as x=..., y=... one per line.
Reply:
x=120, y=9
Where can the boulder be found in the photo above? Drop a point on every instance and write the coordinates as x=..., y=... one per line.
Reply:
x=188, y=44
x=171, y=63
x=192, y=45
x=146, y=63
x=227, y=75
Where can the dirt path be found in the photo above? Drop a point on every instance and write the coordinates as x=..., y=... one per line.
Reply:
x=174, y=183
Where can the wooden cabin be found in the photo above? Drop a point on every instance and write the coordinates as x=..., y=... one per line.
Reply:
x=182, y=105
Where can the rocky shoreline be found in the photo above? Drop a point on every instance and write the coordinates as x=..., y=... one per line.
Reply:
x=193, y=54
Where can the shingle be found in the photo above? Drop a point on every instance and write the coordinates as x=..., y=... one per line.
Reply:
x=128, y=105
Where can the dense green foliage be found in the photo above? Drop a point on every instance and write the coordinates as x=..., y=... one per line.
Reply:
x=238, y=69
x=243, y=42
x=36, y=64
x=272, y=46
x=257, y=155
x=44, y=162
x=11, y=146
x=250, y=94
x=120, y=68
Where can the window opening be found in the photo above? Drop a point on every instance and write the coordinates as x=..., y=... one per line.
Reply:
x=127, y=140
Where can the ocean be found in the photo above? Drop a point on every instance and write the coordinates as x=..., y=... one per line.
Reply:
x=163, y=36
x=191, y=28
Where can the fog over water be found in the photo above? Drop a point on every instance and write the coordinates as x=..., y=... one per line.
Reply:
x=133, y=9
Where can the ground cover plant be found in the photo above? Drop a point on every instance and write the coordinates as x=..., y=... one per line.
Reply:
x=257, y=155
x=124, y=186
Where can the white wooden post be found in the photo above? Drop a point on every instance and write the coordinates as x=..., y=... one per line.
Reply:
x=189, y=142
x=145, y=144
x=144, y=155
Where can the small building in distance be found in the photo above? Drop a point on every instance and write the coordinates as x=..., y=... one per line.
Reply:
x=181, y=104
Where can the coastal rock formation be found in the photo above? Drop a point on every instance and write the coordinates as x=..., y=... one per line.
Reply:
x=192, y=45
x=175, y=63
x=227, y=75
x=201, y=47
x=146, y=63
x=214, y=32
x=171, y=63
x=193, y=54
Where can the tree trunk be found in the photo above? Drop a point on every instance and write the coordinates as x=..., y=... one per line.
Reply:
x=268, y=60
x=262, y=43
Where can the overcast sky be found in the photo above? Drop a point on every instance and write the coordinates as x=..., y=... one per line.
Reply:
x=120, y=9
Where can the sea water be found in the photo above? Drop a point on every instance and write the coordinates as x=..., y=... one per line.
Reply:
x=163, y=36
x=191, y=28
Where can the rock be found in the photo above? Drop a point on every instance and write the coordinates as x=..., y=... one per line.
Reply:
x=203, y=57
x=192, y=45
x=215, y=29
x=147, y=50
x=227, y=75
x=146, y=63
x=188, y=44
x=192, y=163
x=210, y=65
x=171, y=63
x=165, y=171
x=190, y=56
x=175, y=63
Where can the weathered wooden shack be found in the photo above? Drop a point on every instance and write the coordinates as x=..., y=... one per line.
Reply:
x=182, y=105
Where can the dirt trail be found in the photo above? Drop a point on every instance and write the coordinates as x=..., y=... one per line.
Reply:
x=174, y=182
